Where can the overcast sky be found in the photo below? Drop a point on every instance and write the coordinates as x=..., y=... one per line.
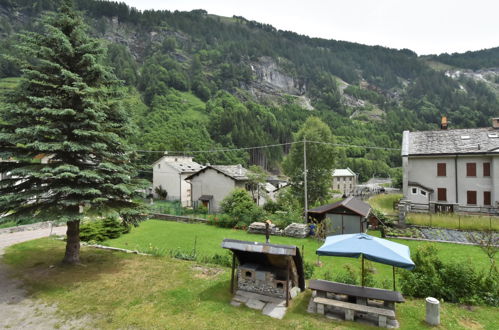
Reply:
x=425, y=26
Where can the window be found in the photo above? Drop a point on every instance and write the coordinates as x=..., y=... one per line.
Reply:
x=470, y=169
x=442, y=194
x=441, y=169
x=486, y=198
x=486, y=169
x=423, y=192
x=414, y=190
x=471, y=197
x=279, y=285
x=248, y=274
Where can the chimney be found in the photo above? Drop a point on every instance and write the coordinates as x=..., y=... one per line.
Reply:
x=444, y=123
x=495, y=123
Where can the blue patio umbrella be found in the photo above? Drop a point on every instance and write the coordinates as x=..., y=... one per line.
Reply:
x=369, y=247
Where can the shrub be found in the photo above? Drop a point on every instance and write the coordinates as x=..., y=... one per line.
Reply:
x=271, y=207
x=350, y=276
x=282, y=219
x=240, y=207
x=451, y=281
x=308, y=269
x=221, y=220
x=162, y=193
x=101, y=230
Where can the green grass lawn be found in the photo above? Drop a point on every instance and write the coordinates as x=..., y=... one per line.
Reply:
x=7, y=224
x=117, y=291
x=454, y=221
x=166, y=235
x=384, y=202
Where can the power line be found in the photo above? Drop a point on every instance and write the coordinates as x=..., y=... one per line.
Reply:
x=263, y=147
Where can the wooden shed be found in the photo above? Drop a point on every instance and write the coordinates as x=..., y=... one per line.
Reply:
x=348, y=216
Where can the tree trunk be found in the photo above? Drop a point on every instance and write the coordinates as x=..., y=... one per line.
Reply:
x=72, y=255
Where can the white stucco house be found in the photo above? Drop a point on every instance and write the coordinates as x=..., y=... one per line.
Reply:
x=170, y=172
x=344, y=180
x=213, y=183
x=451, y=170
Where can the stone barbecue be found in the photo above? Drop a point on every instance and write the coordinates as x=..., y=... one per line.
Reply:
x=270, y=272
x=265, y=280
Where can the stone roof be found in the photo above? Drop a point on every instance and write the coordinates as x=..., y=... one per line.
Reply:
x=343, y=172
x=237, y=172
x=186, y=167
x=455, y=141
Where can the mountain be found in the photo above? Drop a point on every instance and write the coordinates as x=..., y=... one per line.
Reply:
x=197, y=81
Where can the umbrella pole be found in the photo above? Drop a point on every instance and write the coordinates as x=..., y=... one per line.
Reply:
x=393, y=278
x=362, y=270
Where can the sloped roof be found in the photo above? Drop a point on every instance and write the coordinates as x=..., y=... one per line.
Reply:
x=186, y=167
x=236, y=172
x=449, y=142
x=353, y=204
x=343, y=172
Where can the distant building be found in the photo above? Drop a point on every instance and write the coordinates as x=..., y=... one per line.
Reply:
x=213, y=183
x=451, y=170
x=170, y=172
x=344, y=180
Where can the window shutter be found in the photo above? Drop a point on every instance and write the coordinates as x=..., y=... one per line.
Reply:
x=470, y=169
x=442, y=194
x=486, y=169
x=441, y=169
x=486, y=198
x=471, y=194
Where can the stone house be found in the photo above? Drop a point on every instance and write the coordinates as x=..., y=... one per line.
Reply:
x=170, y=172
x=451, y=170
x=344, y=180
x=213, y=183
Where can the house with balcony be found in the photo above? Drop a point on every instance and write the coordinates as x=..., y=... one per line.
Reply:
x=451, y=170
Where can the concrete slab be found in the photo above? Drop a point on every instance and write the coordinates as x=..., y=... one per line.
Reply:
x=255, y=304
x=274, y=311
x=235, y=303
x=240, y=298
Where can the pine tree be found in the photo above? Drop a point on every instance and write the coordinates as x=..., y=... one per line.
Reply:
x=66, y=110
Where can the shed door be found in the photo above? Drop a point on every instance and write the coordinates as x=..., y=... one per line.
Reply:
x=351, y=224
x=334, y=224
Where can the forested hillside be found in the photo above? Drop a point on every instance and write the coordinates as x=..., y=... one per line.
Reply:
x=195, y=81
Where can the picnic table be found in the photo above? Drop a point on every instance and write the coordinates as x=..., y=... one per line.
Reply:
x=357, y=300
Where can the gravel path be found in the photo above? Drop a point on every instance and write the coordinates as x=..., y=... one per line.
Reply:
x=17, y=310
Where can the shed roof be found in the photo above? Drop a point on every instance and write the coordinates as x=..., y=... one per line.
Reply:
x=353, y=204
x=451, y=142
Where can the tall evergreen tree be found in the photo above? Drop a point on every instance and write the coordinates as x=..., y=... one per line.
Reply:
x=66, y=109
x=320, y=161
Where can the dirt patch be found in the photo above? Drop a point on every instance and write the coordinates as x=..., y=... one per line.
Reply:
x=470, y=324
x=17, y=309
x=206, y=272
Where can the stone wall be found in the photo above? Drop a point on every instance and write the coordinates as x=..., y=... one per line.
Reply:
x=262, y=282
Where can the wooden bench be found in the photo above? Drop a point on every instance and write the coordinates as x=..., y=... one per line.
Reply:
x=350, y=309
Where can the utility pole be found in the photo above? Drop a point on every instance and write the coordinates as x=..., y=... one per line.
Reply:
x=305, y=177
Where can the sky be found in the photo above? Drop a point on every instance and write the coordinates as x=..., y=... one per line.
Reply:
x=424, y=26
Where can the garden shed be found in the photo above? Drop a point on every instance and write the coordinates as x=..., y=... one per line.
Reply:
x=348, y=216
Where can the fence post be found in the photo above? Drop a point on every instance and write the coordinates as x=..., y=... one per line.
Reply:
x=459, y=226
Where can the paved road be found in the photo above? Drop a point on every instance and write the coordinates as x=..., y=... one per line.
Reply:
x=17, y=310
